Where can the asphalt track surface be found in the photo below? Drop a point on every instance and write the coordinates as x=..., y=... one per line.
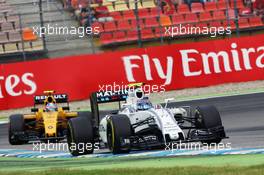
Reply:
x=242, y=117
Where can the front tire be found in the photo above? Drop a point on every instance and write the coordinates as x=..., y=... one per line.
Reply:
x=118, y=134
x=16, y=126
x=208, y=118
x=80, y=136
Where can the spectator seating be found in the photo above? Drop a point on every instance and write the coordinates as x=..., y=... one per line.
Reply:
x=210, y=6
x=165, y=20
x=183, y=9
x=239, y=4
x=255, y=22
x=124, y=25
x=13, y=38
x=197, y=8
x=205, y=16
x=178, y=19
x=152, y=21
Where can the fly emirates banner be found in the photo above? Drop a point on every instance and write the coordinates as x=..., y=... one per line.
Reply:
x=173, y=67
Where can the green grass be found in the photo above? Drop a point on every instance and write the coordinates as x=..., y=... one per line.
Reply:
x=157, y=169
x=29, y=164
x=2, y=117
x=227, y=170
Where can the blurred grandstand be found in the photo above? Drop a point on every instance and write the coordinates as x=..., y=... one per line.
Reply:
x=16, y=39
x=122, y=23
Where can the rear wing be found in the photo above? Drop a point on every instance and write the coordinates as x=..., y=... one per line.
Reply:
x=97, y=98
x=109, y=96
x=60, y=98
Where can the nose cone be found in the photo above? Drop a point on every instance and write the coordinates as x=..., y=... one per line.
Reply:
x=50, y=123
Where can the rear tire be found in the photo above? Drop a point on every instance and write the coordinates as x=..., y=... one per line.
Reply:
x=118, y=134
x=208, y=117
x=80, y=136
x=16, y=125
x=85, y=114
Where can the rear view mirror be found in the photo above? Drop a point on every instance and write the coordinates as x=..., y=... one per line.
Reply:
x=34, y=109
x=114, y=112
x=168, y=100
x=66, y=108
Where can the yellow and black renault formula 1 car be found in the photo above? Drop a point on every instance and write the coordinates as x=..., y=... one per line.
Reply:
x=47, y=123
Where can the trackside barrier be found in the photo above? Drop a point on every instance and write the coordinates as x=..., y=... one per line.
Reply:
x=175, y=66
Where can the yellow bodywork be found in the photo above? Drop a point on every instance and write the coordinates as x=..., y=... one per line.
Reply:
x=51, y=121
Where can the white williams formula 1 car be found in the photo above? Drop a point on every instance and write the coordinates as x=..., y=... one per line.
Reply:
x=140, y=125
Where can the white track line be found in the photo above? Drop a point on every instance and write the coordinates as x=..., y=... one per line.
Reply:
x=3, y=122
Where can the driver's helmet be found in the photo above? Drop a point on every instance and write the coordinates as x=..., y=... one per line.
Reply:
x=51, y=107
x=144, y=104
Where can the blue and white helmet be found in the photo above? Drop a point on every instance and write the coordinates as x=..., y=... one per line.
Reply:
x=144, y=104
